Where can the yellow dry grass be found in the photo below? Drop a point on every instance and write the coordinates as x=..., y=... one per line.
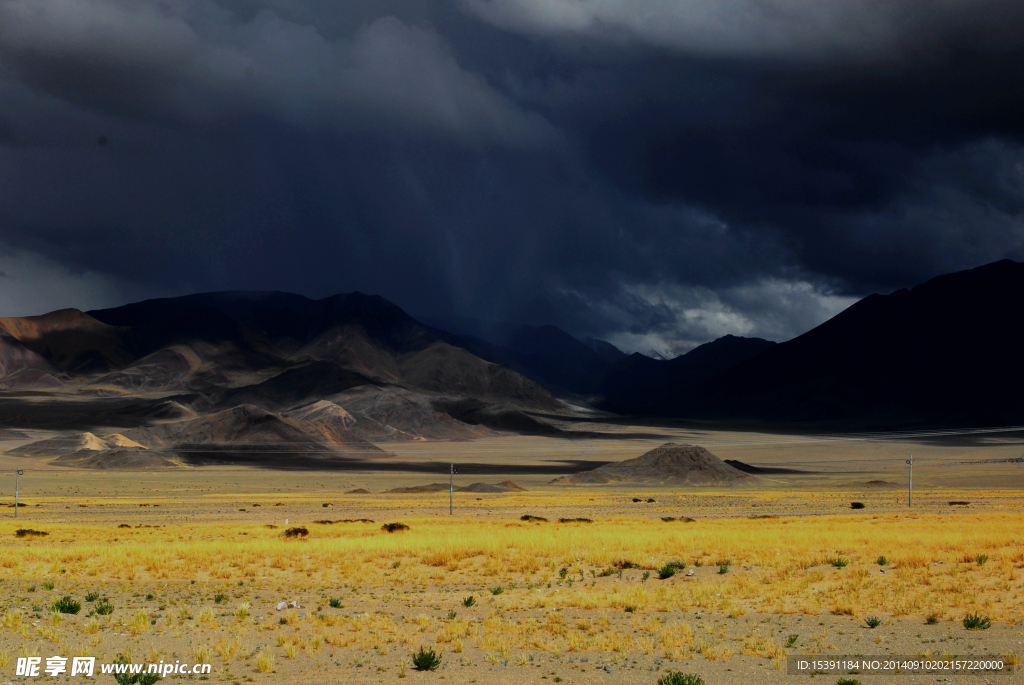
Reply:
x=791, y=558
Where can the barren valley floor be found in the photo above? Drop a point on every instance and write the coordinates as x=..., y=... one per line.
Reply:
x=193, y=563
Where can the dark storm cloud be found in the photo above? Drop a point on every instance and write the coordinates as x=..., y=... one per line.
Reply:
x=658, y=173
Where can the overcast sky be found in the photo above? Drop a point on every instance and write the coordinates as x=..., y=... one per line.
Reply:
x=657, y=173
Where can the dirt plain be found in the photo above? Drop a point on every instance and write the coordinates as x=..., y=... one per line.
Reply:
x=177, y=553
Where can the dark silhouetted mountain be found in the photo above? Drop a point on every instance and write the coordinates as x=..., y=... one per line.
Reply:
x=641, y=385
x=280, y=316
x=545, y=354
x=948, y=350
x=364, y=335
x=610, y=353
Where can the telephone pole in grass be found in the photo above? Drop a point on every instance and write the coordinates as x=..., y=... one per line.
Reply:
x=451, y=491
x=17, y=477
x=910, y=484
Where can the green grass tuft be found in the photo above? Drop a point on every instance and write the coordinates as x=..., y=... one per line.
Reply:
x=976, y=621
x=66, y=605
x=425, y=659
x=679, y=678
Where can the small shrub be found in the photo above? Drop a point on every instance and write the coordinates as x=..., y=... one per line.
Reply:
x=932, y=620
x=647, y=574
x=425, y=660
x=124, y=525
x=723, y=568
x=469, y=601
x=29, y=533
x=104, y=609
x=976, y=621
x=134, y=678
x=839, y=562
x=576, y=520
x=666, y=571
x=847, y=681
x=497, y=590
x=650, y=501
x=527, y=517
x=394, y=527
x=217, y=599
x=882, y=561
x=452, y=614
x=981, y=559
x=637, y=499
x=679, y=678
x=958, y=503
x=48, y=586
x=873, y=621
x=563, y=572
x=66, y=605
x=325, y=505
x=856, y=505
x=791, y=640
x=334, y=603
x=630, y=608
x=92, y=596
x=296, y=532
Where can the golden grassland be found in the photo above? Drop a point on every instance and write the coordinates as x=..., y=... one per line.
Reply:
x=803, y=564
x=185, y=586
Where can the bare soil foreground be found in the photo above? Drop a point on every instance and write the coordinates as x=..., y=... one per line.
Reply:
x=577, y=583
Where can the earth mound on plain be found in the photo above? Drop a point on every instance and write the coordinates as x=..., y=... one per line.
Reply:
x=670, y=464
x=118, y=458
x=876, y=484
x=73, y=444
x=89, y=451
x=506, y=486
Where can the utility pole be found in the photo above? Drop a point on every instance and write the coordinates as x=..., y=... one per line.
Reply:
x=910, y=485
x=17, y=477
x=451, y=491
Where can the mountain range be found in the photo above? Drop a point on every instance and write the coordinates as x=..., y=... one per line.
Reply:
x=350, y=371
